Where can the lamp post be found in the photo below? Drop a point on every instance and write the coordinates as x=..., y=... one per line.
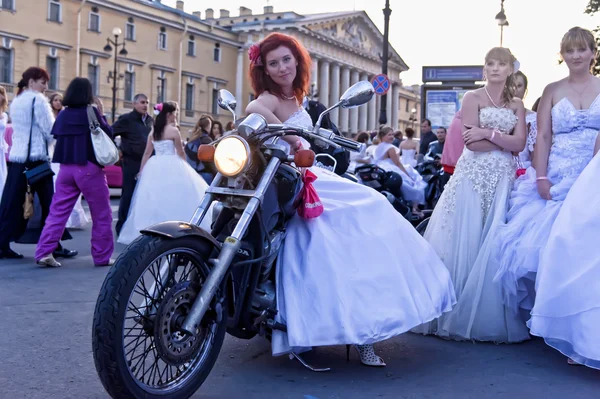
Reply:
x=413, y=117
x=384, y=59
x=116, y=33
x=502, y=21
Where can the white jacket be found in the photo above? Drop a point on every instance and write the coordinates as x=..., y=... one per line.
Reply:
x=20, y=113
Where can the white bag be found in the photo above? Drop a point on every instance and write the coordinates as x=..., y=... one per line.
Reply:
x=105, y=149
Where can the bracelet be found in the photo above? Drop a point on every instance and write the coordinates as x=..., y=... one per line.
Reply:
x=541, y=178
x=494, y=134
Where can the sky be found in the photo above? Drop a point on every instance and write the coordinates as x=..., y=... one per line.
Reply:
x=453, y=32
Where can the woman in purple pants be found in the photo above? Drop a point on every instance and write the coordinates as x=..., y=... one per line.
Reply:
x=79, y=173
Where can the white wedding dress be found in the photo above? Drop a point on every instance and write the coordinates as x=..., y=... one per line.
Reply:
x=408, y=157
x=462, y=231
x=530, y=218
x=567, y=305
x=413, y=185
x=357, y=274
x=169, y=189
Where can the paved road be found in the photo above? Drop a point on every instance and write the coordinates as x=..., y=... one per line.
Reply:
x=45, y=352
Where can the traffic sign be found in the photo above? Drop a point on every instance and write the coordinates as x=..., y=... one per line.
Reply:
x=381, y=84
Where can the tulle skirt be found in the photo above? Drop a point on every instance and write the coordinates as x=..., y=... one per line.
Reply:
x=168, y=190
x=462, y=230
x=567, y=305
x=521, y=240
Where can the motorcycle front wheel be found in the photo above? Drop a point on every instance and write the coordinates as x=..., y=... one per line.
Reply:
x=139, y=350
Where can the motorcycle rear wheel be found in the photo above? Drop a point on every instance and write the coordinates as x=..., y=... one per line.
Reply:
x=138, y=350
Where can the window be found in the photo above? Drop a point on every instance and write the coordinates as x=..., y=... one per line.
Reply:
x=162, y=89
x=53, y=71
x=54, y=11
x=251, y=97
x=94, y=78
x=191, y=51
x=407, y=106
x=129, y=86
x=162, y=40
x=217, y=53
x=215, y=101
x=8, y=5
x=130, y=30
x=6, y=62
x=189, y=99
x=94, y=21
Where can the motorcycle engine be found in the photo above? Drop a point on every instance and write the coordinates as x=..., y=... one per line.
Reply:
x=275, y=240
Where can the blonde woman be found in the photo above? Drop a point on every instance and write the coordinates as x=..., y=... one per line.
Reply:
x=474, y=204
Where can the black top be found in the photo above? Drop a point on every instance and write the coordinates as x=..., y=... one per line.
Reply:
x=134, y=130
x=425, y=141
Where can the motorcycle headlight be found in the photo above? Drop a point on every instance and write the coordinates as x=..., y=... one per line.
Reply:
x=231, y=156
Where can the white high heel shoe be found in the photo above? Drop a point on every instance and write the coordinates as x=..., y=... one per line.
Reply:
x=367, y=355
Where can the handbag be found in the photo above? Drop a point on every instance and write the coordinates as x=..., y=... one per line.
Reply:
x=310, y=203
x=104, y=148
x=42, y=169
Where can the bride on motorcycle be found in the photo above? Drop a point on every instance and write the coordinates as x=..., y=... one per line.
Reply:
x=359, y=273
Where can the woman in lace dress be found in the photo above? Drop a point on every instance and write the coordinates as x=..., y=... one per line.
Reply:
x=474, y=204
x=168, y=188
x=567, y=130
x=359, y=273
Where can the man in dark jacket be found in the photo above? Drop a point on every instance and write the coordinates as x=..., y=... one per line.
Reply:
x=427, y=136
x=133, y=128
x=314, y=109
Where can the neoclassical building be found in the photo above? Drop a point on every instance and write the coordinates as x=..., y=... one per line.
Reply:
x=174, y=55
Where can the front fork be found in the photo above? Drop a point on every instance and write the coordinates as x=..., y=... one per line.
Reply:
x=230, y=246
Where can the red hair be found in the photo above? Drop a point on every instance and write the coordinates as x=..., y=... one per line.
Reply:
x=262, y=82
x=34, y=73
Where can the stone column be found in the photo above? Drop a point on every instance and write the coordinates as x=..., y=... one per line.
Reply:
x=334, y=96
x=373, y=116
x=314, y=73
x=363, y=110
x=239, y=82
x=395, y=105
x=324, y=83
x=354, y=111
x=345, y=83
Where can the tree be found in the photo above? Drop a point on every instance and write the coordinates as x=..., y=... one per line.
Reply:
x=592, y=8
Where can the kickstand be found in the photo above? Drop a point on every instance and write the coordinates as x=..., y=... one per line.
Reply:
x=308, y=366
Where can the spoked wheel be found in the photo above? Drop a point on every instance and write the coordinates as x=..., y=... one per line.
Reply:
x=139, y=347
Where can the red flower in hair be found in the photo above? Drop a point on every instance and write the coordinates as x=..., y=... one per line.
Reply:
x=254, y=54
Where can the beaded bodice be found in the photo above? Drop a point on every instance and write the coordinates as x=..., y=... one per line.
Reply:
x=483, y=170
x=574, y=133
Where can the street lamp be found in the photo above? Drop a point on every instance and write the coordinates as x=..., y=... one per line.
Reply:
x=116, y=33
x=384, y=59
x=413, y=117
x=502, y=21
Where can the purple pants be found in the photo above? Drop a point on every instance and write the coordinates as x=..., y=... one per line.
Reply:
x=73, y=180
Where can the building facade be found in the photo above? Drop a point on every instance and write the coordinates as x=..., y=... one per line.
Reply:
x=170, y=54
x=410, y=108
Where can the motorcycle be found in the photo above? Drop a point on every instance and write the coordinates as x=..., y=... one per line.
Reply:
x=431, y=171
x=388, y=184
x=167, y=302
